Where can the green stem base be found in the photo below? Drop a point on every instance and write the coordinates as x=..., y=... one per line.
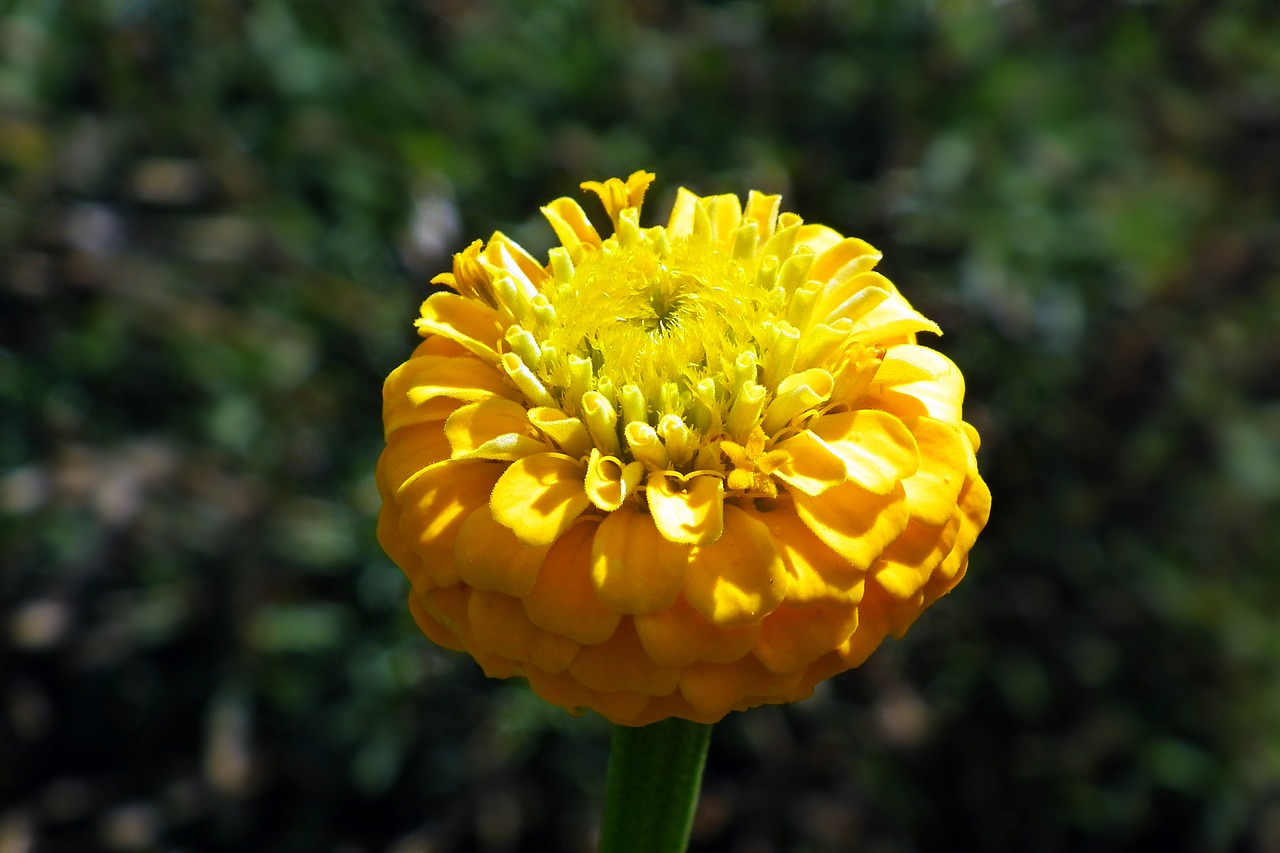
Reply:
x=655, y=774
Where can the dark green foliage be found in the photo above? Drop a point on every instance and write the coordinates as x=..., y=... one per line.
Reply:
x=216, y=219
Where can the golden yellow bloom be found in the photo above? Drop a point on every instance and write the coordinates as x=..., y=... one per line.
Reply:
x=680, y=470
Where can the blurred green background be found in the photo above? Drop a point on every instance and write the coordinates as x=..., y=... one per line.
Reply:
x=217, y=218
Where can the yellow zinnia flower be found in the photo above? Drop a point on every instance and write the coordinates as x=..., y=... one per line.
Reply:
x=680, y=470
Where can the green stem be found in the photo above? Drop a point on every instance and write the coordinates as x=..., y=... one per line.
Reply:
x=655, y=773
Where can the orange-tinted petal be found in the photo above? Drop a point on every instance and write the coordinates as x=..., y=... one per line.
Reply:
x=408, y=451
x=621, y=663
x=434, y=505
x=717, y=689
x=539, y=496
x=680, y=635
x=738, y=578
x=818, y=574
x=857, y=524
x=432, y=622
x=635, y=568
x=490, y=557
x=561, y=689
x=793, y=637
x=563, y=599
x=906, y=565
x=975, y=508
x=498, y=623
x=397, y=548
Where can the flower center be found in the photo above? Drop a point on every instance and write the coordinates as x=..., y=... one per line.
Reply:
x=663, y=327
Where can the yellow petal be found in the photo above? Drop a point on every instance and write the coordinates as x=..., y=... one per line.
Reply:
x=493, y=428
x=811, y=465
x=725, y=212
x=891, y=318
x=739, y=578
x=934, y=488
x=939, y=396
x=568, y=432
x=818, y=574
x=430, y=387
x=683, y=214
x=818, y=238
x=687, y=510
x=850, y=301
x=793, y=637
x=877, y=448
x=621, y=663
x=796, y=394
x=609, y=482
x=564, y=600
x=508, y=255
x=906, y=565
x=489, y=556
x=474, y=325
x=539, y=496
x=617, y=196
x=680, y=635
x=975, y=509
x=635, y=568
x=434, y=505
x=436, y=345
x=573, y=228
x=855, y=523
x=763, y=209
x=846, y=258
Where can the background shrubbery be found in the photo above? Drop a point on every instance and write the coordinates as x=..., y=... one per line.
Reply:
x=216, y=220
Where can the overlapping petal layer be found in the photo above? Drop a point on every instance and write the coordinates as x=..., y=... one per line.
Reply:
x=676, y=471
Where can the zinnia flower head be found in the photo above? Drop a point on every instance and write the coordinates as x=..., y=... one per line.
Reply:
x=680, y=470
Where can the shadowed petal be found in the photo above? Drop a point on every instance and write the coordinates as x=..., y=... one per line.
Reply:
x=563, y=599
x=738, y=578
x=689, y=511
x=489, y=556
x=680, y=635
x=876, y=447
x=539, y=496
x=857, y=524
x=635, y=568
